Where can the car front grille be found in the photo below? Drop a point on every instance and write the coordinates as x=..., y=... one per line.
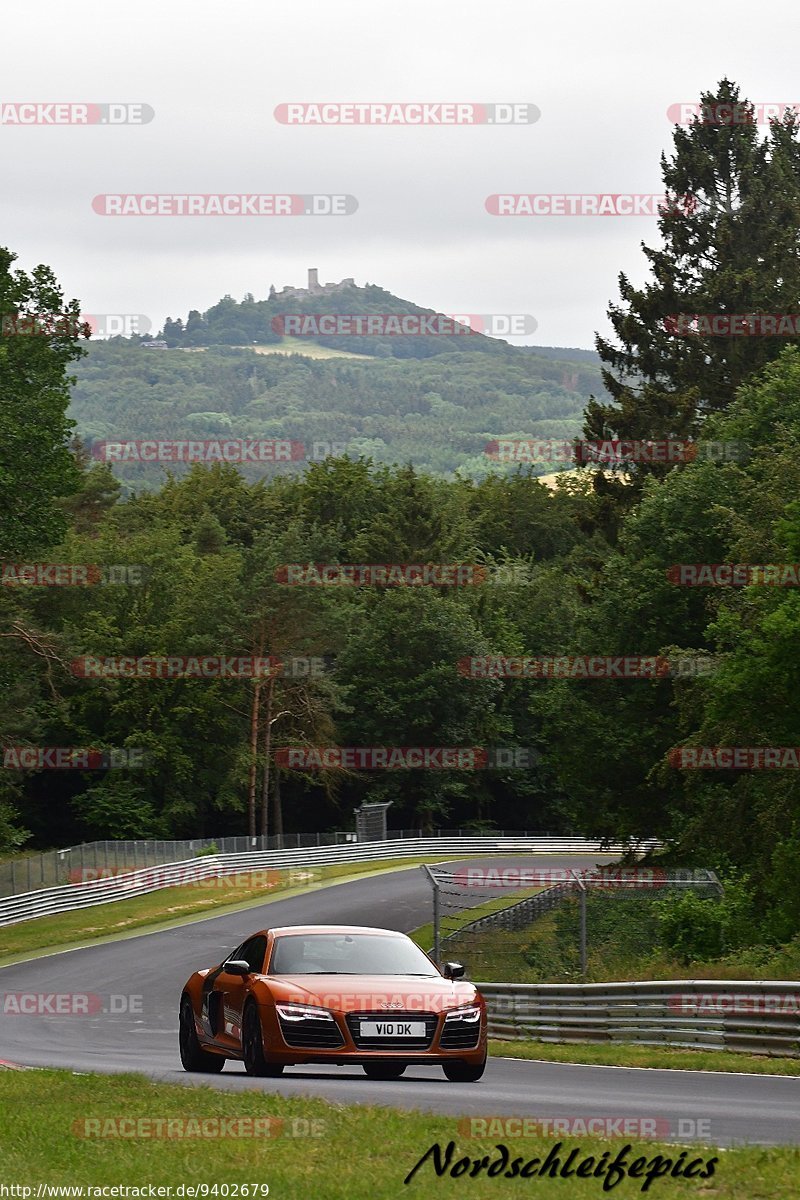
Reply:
x=460, y=1035
x=354, y=1020
x=312, y=1034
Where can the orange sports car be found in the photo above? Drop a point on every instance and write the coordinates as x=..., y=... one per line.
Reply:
x=333, y=994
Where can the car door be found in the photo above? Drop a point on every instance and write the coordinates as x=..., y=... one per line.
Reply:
x=224, y=995
x=233, y=990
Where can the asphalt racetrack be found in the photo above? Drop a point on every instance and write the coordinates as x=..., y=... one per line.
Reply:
x=139, y=981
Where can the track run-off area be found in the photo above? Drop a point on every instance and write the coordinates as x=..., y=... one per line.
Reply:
x=132, y=1025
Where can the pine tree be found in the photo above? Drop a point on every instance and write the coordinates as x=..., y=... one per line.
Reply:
x=731, y=245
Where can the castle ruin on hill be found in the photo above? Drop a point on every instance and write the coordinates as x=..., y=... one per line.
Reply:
x=315, y=288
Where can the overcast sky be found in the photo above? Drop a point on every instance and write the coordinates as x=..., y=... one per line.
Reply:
x=603, y=76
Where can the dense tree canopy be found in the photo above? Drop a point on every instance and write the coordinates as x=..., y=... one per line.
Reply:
x=553, y=576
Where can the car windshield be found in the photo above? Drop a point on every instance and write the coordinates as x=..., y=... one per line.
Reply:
x=348, y=954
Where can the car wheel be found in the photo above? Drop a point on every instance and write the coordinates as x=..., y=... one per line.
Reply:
x=253, y=1046
x=193, y=1056
x=383, y=1070
x=459, y=1071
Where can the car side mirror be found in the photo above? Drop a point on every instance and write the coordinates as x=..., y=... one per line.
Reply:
x=236, y=966
x=452, y=970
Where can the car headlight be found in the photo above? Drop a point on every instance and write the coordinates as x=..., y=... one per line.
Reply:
x=302, y=1012
x=471, y=1014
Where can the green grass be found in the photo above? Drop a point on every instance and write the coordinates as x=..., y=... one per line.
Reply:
x=661, y=1057
x=173, y=905
x=296, y=345
x=623, y=939
x=424, y=935
x=352, y=1153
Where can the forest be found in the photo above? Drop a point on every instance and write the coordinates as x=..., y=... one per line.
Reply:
x=197, y=566
x=438, y=413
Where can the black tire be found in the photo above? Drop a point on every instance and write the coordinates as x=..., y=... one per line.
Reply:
x=253, y=1046
x=386, y=1070
x=193, y=1056
x=459, y=1071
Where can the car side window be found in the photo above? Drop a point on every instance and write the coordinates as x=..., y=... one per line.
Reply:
x=252, y=951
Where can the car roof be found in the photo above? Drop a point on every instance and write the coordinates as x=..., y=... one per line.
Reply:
x=344, y=929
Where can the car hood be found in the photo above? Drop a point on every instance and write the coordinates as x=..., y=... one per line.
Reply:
x=369, y=993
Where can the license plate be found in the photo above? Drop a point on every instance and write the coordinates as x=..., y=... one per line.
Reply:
x=392, y=1029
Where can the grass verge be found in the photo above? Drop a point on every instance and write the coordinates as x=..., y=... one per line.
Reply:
x=177, y=904
x=624, y=943
x=661, y=1057
x=314, y=1149
x=456, y=921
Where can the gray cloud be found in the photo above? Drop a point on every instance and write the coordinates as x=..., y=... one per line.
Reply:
x=603, y=77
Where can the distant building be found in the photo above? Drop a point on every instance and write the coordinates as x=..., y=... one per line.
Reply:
x=315, y=288
x=154, y=345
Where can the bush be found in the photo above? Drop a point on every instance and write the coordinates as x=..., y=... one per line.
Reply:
x=691, y=926
x=205, y=851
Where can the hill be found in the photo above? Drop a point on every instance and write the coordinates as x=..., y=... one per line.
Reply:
x=264, y=322
x=434, y=401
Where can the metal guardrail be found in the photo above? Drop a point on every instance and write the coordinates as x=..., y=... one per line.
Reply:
x=50, y=868
x=47, y=902
x=743, y=1016
x=517, y=916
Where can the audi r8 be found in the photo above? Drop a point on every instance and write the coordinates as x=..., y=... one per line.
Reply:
x=333, y=994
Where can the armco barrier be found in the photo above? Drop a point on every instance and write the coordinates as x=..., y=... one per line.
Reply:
x=68, y=897
x=748, y=1017
x=50, y=868
x=517, y=916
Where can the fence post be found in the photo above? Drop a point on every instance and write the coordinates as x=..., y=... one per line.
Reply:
x=435, y=885
x=582, y=887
